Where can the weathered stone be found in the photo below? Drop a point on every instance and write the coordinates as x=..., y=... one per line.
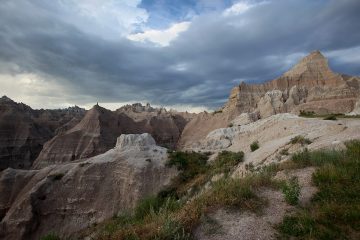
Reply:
x=69, y=197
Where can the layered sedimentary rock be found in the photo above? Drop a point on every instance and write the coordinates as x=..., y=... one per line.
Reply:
x=309, y=86
x=23, y=131
x=98, y=130
x=69, y=197
x=165, y=126
x=94, y=134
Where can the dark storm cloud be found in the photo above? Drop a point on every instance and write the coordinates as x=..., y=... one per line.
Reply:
x=199, y=67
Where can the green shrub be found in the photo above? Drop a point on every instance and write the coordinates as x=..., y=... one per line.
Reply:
x=291, y=191
x=230, y=125
x=254, y=146
x=226, y=161
x=50, y=236
x=301, y=140
x=189, y=163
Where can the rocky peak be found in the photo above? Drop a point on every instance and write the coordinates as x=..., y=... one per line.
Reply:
x=312, y=68
x=6, y=99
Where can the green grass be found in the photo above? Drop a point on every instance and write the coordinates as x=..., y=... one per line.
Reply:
x=334, y=212
x=291, y=191
x=50, y=236
x=254, y=146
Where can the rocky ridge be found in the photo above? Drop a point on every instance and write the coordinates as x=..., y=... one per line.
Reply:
x=98, y=130
x=23, y=130
x=69, y=197
x=309, y=86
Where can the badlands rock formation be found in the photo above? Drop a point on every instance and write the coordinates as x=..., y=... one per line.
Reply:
x=23, y=131
x=68, y=197
x=309, y=86
x=165, y=126
x=98, y=130
x=274, y=134
x=94, y=134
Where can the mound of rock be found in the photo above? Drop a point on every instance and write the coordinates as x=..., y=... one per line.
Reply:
x=69, y=197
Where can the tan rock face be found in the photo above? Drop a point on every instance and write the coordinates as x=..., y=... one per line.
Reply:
x=23, y=131
x=310, y=85
x=72, y=196
x=310, y=80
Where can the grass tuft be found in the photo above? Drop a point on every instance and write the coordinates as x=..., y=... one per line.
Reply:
x=291, y=191
x=254, y=146
x=50, y=236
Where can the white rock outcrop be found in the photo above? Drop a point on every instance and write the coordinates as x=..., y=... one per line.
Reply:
x=356, y=110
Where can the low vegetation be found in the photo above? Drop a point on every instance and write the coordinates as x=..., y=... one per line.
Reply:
x=291, y=191
x=254, y=146
x=50, y=236
x=176, y=211
x=284, y=152
x=334, y=212
x=312, y=114
x=304, y=113
x=300, y=140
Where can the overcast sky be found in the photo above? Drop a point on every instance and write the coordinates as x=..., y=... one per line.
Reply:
x=186, y=54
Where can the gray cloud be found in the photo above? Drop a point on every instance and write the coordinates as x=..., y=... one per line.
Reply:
x=198, y=68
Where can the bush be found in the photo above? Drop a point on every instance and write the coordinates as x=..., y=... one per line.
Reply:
x=301, y=140
x=254, y=146
x=230, y=125
x=226, y=161
x=291, y=191
x=189, y=163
